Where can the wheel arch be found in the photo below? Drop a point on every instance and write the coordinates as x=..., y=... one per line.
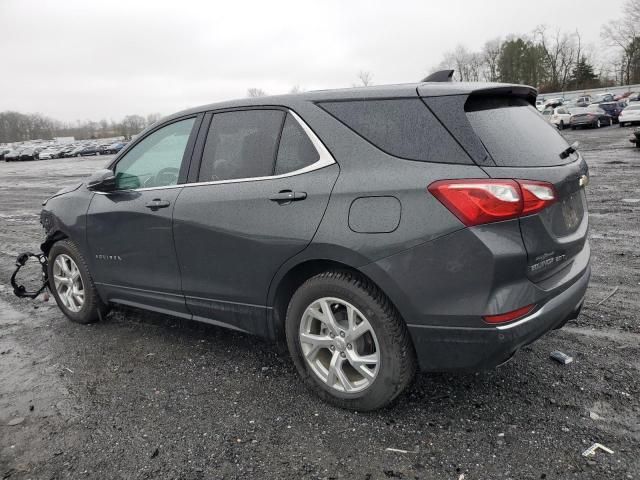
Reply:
x=291, y=278
x=51, y=239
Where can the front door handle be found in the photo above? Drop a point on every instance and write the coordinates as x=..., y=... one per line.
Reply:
x=287, y=196
x=157, y=204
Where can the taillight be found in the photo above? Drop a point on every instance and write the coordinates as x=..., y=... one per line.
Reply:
x=509, y=316
x=479, y=201
x=536, y=196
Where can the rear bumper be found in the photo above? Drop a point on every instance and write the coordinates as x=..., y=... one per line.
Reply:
x=462, y=348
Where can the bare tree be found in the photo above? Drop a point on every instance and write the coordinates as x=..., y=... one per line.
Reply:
x=153, y=118
x=624, y=35
x=365, y=77
x=296, y=89
x=256, y=92
x=559, y=54
x=632, y=10
x=491, y=55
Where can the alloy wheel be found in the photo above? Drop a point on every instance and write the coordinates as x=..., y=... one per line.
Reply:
x=68, y=282
x=339, y=345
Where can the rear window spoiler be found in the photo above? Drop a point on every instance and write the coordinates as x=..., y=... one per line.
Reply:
x=436, y=89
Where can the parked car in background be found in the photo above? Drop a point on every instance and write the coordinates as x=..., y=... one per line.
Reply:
x=47, y=154
x=75, y=152
x=613, y=109
x=3, y=152
x=67, y=150
x=583, y=101
x=635, y=138
x=634, y=97
x=630, y=115
x=115, y=147
x=591, y=116
x=13, y=155
x=603, y=97
x=560, y=117
x=28, y=154
x=540, y=104
x=89, y=150
x=553, y=102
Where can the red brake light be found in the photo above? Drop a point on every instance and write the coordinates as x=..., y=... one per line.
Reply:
x=509, y=316
x=479, y=201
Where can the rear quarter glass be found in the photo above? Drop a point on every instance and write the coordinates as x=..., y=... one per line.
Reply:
x=401, y=127
x=514, y=133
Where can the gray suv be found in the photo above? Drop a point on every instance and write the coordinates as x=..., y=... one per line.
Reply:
x=375, y=231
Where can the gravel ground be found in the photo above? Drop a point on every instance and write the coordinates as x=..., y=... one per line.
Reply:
x=146, y=396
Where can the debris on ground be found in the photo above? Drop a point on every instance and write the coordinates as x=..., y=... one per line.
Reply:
x=15, y=421
x=595, y=416
x=399, y=450
x=591, y=451
x=608, y=296
x=560, y=357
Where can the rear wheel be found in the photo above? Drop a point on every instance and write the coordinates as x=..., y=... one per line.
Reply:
x=72, y=285
x=561, y=125
x=348, y=342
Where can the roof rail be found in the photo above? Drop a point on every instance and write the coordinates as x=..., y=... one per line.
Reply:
x=440, y=76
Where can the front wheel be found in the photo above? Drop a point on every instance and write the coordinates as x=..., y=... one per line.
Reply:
x=72, y=285
x=561, y=125
x=348, y=342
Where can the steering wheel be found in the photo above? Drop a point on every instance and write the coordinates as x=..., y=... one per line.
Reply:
x=167, y=176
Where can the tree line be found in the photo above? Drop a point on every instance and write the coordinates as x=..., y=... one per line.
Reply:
x=555, y=61
x=18, y=127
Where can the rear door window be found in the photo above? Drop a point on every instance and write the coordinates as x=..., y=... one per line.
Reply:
x=514, y=133
x=296, y=150
x=241, y=144
x=404, y=128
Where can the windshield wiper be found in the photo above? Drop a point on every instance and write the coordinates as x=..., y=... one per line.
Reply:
x=573, y=148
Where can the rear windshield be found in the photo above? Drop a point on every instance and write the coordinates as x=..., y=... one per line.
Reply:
x=514, y=133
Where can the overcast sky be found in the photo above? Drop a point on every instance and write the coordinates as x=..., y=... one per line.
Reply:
x=90, y=59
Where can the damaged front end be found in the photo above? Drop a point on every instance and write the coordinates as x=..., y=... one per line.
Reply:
x=19, y=289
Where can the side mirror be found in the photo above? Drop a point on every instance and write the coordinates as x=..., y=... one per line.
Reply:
x=102, y=181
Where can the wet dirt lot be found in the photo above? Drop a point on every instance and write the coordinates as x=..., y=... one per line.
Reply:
x=146, y=396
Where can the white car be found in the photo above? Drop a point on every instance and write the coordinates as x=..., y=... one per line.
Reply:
x=540, y=105
x=630, y=114
x=47, y=154
x=559, y=117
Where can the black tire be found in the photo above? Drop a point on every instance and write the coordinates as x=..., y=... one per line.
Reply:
x=561, y=125
x=93, y=308
x=573, y=128
x=397, y=356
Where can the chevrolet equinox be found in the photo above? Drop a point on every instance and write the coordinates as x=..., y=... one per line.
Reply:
x=377, y=231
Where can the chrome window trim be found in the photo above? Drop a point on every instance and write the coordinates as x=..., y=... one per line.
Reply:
x=325, y=159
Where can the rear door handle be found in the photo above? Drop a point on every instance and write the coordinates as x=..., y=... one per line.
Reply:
x=157, y=203
x=286, y=196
